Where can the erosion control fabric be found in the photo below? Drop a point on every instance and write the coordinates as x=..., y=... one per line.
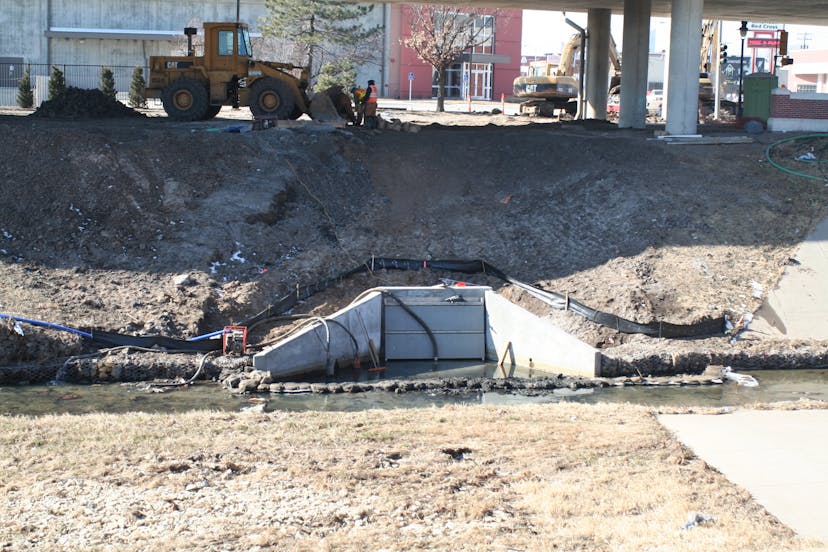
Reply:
x=558, y=301
x=555, y=300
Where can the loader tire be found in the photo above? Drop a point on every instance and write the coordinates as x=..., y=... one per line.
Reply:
x=547, y=109
x=186, y=100
x=212, y=111
x=271, y=97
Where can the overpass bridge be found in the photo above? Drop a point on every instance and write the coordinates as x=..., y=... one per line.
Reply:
x=686, y=18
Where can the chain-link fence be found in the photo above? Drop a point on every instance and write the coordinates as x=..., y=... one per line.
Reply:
x=78, y=76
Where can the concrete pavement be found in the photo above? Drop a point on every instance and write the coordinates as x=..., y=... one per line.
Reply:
x=798, y=307
x=780, y=457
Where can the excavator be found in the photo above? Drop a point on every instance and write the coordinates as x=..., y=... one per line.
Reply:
x=710, y=37
x=557, y=87
x=195, y=87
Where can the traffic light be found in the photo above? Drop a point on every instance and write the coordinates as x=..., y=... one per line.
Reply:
x=783, y=43
x=723, y=54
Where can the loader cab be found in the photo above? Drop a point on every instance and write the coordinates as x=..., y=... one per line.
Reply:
x=226, y=46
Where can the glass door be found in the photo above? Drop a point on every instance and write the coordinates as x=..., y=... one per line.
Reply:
x=477, y=80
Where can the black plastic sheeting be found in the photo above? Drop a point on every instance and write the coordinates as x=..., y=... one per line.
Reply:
x=111, y=339
x=707, y=327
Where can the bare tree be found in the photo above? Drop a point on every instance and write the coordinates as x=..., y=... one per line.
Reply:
x=441, y=33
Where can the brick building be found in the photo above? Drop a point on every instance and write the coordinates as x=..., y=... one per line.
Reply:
x=485, y=73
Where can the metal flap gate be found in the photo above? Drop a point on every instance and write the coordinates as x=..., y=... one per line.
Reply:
x=454, y=317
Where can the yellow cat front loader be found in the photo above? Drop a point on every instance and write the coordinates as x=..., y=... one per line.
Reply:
x=195, y=87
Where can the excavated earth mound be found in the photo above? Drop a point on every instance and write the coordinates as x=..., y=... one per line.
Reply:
x=78, y=103
x=147, y=226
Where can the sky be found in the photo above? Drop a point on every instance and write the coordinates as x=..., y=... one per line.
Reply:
x=545, y=32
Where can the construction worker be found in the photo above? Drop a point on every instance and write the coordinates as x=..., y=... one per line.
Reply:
x=359, y=96
x=370, y=102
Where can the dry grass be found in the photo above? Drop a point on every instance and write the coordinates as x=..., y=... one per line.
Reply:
x=563, y=477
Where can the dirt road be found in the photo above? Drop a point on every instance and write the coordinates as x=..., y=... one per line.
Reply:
x=148, y=226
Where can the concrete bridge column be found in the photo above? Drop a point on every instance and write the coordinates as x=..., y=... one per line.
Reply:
x=634, y=65
x=597, y=75
x=682, y=91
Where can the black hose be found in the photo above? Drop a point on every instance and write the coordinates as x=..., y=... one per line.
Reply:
x=708, y=326
x=289, y=317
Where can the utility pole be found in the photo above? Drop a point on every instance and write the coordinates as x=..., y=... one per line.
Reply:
x=717, y=69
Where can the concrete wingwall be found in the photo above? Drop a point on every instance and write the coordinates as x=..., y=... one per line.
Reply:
x=314, y=347
x=528, y=340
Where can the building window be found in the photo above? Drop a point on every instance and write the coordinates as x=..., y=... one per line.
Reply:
x=454, y=81
x=806, y=88
x=484, y=30
x=11, y=70
x=244, y=43
x=225, y=43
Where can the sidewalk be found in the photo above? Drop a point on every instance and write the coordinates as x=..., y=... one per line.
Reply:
x=798, y=307
x=780, y=457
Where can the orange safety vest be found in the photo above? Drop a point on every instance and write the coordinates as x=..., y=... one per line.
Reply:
x=374, y=93
x=359, y=93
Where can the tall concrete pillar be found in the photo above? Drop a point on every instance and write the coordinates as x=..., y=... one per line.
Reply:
x=683, y=73
x=634, y=64
x=597, y=75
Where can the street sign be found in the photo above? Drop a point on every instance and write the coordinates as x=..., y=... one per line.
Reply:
x=763, y=43
x=411, y=76
x=764, y=26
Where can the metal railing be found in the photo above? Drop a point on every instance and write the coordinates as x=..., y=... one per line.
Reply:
x=78, y=76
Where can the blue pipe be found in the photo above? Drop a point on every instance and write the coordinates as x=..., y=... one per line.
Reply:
x=206, y=336
x=42, y=324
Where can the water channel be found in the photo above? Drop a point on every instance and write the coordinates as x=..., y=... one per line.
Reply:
x=38, y=400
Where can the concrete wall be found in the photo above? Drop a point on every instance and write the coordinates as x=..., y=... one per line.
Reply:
x=25, y=26
x=802, y=111
x=305, y=352
x=530, y=341
x=536, y=342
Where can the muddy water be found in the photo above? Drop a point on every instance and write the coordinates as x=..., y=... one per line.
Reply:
x=773, y=386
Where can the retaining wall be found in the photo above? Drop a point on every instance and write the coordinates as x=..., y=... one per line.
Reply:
x=798, y=111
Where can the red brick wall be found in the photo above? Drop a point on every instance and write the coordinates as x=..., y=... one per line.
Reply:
x=785, y=107
x=403, y=60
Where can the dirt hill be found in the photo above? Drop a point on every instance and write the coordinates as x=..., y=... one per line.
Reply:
x=149, y=226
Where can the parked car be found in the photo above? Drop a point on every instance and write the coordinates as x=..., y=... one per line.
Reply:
x=614, y=103
x=655, y=99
